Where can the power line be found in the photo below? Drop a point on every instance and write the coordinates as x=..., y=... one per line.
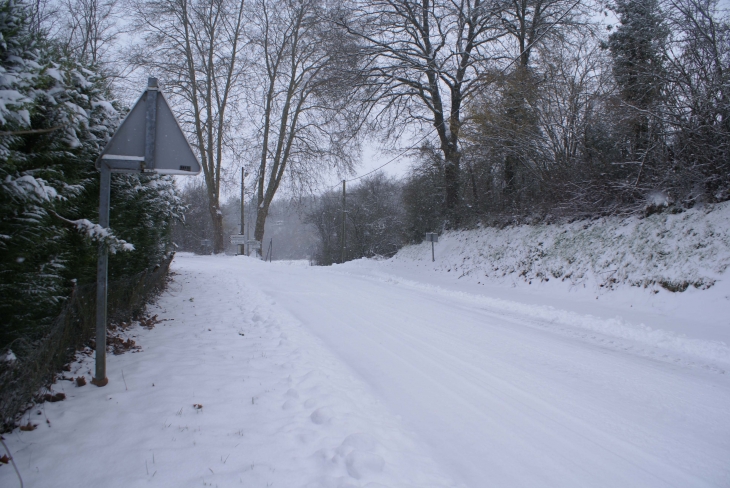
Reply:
x=412, y=147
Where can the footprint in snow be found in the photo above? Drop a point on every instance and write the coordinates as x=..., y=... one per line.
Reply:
x=363, y=463
x=289, y=404
x=291, y=392
x=358, y=441
x=322, y=415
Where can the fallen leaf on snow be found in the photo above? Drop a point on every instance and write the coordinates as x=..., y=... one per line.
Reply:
x=53, y=397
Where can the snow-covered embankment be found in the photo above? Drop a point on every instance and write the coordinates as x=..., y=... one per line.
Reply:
x=671, y=251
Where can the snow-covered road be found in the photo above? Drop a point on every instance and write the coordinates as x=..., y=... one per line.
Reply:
x=500, y=401
x=348, y=376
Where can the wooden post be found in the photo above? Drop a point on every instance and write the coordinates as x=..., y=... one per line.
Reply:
x=242, y=247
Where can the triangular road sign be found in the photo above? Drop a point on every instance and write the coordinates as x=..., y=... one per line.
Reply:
x=157, y=147
x=148, y=141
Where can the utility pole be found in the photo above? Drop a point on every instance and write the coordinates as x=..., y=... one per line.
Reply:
x=242, y=247
x=344, y=222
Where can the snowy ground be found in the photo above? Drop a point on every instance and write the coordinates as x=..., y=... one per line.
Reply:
x=396, y=374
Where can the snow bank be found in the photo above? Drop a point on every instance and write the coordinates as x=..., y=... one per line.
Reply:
x=672, y=251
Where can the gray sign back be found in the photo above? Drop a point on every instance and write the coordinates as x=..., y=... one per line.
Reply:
x=173, y=154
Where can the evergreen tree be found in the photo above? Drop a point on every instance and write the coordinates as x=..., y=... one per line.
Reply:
x=637, y=48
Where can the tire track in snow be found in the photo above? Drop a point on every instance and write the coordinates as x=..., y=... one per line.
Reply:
x=644, y=454
x=615, y=333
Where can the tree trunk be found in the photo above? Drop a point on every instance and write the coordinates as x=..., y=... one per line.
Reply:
x=474, y=190
x=451, y=182
x=261, y=213
x=216, y=217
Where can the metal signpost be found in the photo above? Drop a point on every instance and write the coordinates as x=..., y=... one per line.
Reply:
x=270, y=250
x=148, y=141
x=433, y=237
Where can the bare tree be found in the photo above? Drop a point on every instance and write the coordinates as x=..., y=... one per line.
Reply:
x=41, y=16
x=375, y=218
x=298, y=96
x=698, y=96
x=89, y=28
x=576, y=109
x=374, y=221
x=426, y=59
x=195, y=46
x=530, y=23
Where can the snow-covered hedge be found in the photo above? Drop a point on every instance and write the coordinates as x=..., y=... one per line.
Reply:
x=56, y=115
x=673, y=251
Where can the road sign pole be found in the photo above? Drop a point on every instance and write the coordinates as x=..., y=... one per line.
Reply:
x=248, y=236
x=101, y=278
x=433, y=237
x=151, y=125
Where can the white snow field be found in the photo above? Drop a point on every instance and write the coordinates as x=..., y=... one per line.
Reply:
x=393, y=373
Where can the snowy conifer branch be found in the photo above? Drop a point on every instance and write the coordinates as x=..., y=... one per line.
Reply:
x=97, y=233
x=28, y=132
x=28, y=188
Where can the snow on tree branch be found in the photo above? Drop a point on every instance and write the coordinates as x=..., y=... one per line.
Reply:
x=27, y=188
x=97, y=233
